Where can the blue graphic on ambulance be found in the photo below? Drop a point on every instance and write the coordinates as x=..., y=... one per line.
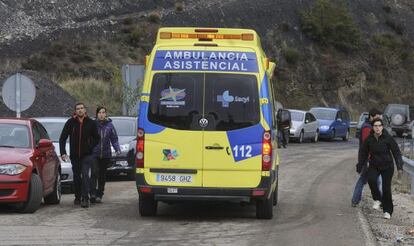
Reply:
x=225, y=61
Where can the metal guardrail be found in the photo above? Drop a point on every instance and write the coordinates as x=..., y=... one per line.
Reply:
x=409, y=163
x=409, y=168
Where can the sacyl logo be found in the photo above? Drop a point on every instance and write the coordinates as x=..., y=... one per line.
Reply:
x=226, y=99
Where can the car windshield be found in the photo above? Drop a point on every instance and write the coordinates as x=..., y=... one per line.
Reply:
x=324, y=114
x=396, y=109
x=54, y=129
x=363, y=117
x=225, y=101
x=125, y=127
x=296, y=116
x=14, y=136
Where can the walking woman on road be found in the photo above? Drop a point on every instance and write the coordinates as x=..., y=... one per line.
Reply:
x=380, y=149
x=102, y=153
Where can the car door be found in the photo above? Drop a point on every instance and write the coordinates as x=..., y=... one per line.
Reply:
x=339, y=124
x=173, y=136
x=39, y=159
x=307, y=126
x=233, y=138
x=51, y=161
x=313, y=125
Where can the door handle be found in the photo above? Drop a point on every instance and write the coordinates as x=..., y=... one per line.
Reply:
x=214, y=147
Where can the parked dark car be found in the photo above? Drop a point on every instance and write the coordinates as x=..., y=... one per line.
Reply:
x=29, y=165
x=401, y=117
x=124, y=164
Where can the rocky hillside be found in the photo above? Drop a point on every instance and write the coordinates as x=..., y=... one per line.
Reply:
x=353, y=53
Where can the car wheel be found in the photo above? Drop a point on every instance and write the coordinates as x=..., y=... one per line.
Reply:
x=34, y=198
x=54, y=197
x=332, y=135
x=316, y=138
x=264, y=208
x=147, y=205
x=346, y=137
x=300, y=139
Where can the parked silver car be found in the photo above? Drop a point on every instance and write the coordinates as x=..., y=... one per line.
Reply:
x=54, y=126
x=304, y=126
x=126, y=128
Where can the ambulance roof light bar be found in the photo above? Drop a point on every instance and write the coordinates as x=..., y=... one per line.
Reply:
x=205, y=36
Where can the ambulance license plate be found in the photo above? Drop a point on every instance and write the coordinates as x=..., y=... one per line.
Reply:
x=174, y=178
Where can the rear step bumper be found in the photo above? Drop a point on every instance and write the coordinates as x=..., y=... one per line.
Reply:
x=174, y=193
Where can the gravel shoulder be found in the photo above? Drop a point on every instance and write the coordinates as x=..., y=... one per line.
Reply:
x=399, y=230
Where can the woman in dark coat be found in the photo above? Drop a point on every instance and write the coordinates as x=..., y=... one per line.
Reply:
x=380, y=149
x=102, y=153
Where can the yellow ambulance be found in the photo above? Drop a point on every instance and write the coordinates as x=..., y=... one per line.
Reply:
x=206, y=121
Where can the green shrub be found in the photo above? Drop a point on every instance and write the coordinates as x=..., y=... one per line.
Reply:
x=398, y=28
x=128, y=21
x=284, y=27
x=330, y=23
x=387, y=41
x=135, y=37
x=291, y=55
x=179, y=6
x=37, y=62
x=57, y=49
x=154, y=17
x=386, y=8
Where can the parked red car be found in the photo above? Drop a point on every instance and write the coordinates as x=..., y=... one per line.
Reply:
x=29, y=166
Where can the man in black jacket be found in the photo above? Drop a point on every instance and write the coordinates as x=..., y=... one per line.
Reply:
x=83, y=136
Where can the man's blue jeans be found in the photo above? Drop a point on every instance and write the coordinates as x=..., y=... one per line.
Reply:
x=359, y=186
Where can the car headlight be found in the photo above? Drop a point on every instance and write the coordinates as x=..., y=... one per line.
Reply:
x=324, y=127
x=12, y=169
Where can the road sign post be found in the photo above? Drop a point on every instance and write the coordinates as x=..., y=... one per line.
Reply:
x=18, y=93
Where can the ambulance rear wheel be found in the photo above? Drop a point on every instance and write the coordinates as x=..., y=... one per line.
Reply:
x=147, y=206
x=264, y=208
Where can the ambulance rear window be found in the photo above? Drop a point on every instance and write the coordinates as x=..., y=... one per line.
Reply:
x=232, y=100
x=176, y=100
x=226, y=101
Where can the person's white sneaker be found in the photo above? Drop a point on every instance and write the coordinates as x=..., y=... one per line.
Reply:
x=376, y=205
x=387, y=216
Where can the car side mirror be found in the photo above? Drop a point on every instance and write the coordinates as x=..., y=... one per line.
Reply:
x=339, y=119
x=306, y=121
x=44, y=143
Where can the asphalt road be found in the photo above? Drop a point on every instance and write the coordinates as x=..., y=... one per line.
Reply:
x=316, y=182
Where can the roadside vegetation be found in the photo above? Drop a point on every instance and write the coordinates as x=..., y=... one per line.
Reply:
x=91, y=71
x=331, y=23
x=335, y=57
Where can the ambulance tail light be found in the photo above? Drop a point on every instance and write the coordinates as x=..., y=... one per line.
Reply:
x=139, y=156
x=266, y=151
